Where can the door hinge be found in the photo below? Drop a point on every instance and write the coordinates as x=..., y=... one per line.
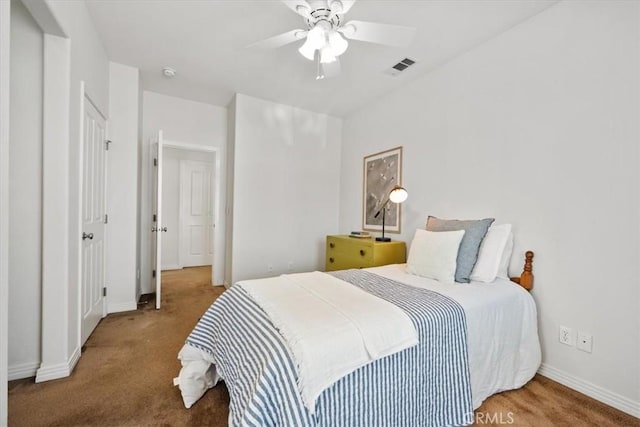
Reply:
x=154, y=217
x=155, y=162
x=106, y=219
x=153, y=274
x=106, y=144
x=104, y=292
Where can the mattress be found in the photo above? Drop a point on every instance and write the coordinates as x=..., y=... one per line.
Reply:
x=502, y=330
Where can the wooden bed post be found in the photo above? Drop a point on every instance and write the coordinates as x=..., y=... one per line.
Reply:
x=526, y=278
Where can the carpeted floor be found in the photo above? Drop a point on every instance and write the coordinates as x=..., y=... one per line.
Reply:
x=124, y=377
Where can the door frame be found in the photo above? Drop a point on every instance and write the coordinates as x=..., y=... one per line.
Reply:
x=215, y=188
x=5, y=57
x=157, y=154
x=84, y=97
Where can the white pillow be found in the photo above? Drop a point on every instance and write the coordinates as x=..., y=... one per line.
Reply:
x=490, y=253
x=433, y=254
x=503, y=271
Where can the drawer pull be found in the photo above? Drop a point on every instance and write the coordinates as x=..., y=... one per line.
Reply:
x=362, y=252
x=332, y=245
x=330, y=259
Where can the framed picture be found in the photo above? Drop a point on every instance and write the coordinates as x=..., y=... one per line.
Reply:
x=381, y=172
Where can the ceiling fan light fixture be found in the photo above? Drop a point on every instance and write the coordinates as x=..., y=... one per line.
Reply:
x=337, y=43
x=307, y=50
x=327, y=56
x=316, y=37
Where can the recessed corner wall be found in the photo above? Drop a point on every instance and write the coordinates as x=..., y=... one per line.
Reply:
x=286, y=179
x=537, y=127
x=25, y=193
x=122, y=195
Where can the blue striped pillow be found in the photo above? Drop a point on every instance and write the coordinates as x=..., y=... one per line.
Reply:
x=474, y=232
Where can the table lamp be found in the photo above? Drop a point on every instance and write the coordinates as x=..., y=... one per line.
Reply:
x=397, y=195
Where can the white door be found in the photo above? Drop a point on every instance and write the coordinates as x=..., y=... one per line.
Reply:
x=94, y=160
x=157, y=229
x=196, y=213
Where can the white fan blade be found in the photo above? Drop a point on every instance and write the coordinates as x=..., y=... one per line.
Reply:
x=373, y=32
x=300, y=7
x=331, y=69
x=279, y=40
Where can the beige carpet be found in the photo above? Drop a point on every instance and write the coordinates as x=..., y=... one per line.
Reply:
x=124, y=377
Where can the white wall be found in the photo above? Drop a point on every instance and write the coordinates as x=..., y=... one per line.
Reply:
x=5, y=59
x=69, y=61
x=537, y=127
x=25, y=198
x=286, y=188
x=186, y=122
x=122, y=196
x=171, y=202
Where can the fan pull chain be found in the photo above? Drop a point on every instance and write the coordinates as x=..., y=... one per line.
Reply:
x=319, y=70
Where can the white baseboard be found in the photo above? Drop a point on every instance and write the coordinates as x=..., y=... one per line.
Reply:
x=22, y=370
x=171, y=267
x=601, y=394
x=117, y=307
x=60, y=370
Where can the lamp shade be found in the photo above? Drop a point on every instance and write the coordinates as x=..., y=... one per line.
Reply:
x=398, y=194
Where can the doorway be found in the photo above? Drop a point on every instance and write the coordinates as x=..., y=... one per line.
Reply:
x=186, y=189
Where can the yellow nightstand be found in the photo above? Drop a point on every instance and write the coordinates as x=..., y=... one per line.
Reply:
x=344, y=252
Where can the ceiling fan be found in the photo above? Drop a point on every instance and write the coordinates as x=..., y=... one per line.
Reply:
x=326, y=36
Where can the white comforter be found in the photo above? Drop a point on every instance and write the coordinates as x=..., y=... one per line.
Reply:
x=344, y=328
x=502, y=336
x=502, y=331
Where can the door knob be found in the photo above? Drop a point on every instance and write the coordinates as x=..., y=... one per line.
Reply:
x=163, y=229
x=86, y=236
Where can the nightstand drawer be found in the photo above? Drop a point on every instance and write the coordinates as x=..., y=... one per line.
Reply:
x=360, y=251
x=344, y=252
x=340, y=261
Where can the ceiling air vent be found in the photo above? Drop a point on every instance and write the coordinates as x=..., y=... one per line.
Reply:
x=400, y=67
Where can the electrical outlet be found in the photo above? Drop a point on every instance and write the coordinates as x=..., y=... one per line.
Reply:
x=585, y=342
x=270, y=268
x=290, y=266
x=565, y=336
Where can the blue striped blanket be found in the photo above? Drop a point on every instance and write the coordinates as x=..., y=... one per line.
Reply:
x=425, y=385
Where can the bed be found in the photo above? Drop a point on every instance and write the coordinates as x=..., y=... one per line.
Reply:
x=482, y=339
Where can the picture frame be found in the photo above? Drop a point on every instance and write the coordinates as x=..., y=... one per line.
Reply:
x=381, y=171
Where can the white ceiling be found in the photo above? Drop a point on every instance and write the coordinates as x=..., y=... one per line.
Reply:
x=205, y=42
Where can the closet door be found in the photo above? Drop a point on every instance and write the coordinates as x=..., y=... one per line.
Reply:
x=94, y=158
x=196, y=213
